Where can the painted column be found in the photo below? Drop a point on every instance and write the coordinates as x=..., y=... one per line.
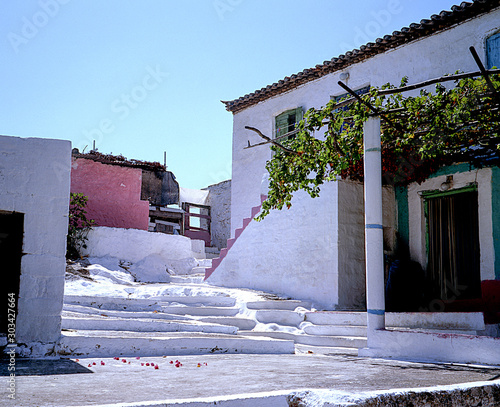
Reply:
x=374, y=237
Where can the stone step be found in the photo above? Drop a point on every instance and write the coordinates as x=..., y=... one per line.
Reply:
x=201, y=311
x=150, y=304
x=314, y=340
x=325, y=350
x=204, y=263
x=336, y=318
x=143, y=325
x=461, y=321
x=75, y=309
x=280, y=317
x=212, y=256
x=335, y=330
x=204, y=300
x=240, y=323
x=433, y=330
x=188, y=279
x=277, y=304
x=120, y=343
x=473, y=321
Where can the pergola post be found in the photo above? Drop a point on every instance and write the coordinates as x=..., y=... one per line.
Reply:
x=374, y=237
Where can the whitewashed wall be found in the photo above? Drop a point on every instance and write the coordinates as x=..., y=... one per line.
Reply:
x=291, y=252
x=35, y=180
x=134, y=245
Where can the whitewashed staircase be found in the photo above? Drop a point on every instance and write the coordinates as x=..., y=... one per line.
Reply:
x=106, y=327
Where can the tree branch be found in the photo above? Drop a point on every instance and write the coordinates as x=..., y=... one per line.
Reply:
x=271, y=140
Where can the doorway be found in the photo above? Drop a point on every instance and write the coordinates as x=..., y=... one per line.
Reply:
x=11, y=248
x=453, y=268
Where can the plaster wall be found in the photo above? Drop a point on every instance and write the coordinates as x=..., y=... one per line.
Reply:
x=114, y=193
x=35, y=180
x=219, y=200
x=291, y=252
x=134, y=245
x=423, y=59
x=460, y=180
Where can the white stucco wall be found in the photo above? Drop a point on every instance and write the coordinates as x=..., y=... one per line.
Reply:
x=35, y=180
x=291, y=252
x=460, y=180
x=426, y=58
x=134, y=245
x=219, y=200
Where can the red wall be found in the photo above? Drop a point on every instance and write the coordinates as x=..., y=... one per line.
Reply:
x=114, y=193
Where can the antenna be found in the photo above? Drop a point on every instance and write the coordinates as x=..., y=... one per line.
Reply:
x=93, y=148
x=165, y=159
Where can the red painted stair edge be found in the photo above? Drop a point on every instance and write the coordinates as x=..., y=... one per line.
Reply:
x=231, y=241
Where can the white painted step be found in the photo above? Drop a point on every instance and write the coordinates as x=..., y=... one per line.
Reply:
x=144, y=325
x=465, y=321
x=325, y=350
x=336, y=318
x=113, y=343
x=150, y=304
x=335, y=330
x=216, y=301
x=201, y=311
x=433, y=330
x=84, y=310
x=205, y=263
x=112, y=303
x=473, y=321
x=188, y=279
x=280, y=317
x=277, y=304
x=239, y=322
x=331, y=341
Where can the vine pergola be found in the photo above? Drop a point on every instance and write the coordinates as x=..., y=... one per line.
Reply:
x=419, y=134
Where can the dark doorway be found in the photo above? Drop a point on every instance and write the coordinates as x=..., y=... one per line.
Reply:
x=453, y=245
x=11, y=248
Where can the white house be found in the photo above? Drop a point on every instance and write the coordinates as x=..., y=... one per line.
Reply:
x=315, y=250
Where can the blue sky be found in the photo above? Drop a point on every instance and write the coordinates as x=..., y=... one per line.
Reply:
x=143, y=77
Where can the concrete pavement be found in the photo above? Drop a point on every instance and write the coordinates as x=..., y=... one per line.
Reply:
x=203, y=380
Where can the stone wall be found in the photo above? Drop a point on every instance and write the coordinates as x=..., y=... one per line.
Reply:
x=219, y=200
x=35, y=181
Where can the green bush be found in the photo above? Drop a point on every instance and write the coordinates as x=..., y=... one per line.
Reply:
x=79, y=225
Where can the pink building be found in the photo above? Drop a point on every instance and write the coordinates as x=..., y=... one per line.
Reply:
x=113, y=188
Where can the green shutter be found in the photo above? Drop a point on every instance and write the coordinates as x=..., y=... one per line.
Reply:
x=493, y=51
x=286, y=121
x=281, y=125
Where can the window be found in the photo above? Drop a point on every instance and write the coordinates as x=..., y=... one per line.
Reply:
x=286, y=121
x=360, y=91
x=493, y=51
